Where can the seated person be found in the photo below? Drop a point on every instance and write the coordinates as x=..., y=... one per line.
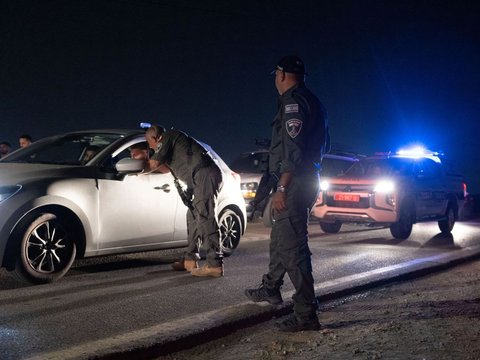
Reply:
x=140, y=151
x=90, y=152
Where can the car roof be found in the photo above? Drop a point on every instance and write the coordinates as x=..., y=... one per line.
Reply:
x=332, y=155
x=105, y=131
x=404, y=157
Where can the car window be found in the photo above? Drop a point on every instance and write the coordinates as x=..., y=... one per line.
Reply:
x=251, y=163
x=108, y=164
x=427, y=168
x=380, y=167
x=76, y=149
x=335, y=166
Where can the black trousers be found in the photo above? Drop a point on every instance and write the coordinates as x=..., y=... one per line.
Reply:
x=202, y=222
x=289, y=251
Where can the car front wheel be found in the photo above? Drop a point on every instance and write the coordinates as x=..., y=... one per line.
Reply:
x=47, y=250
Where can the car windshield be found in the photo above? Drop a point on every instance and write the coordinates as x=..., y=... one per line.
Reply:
x=72, y=149
x=251, y=163
x=381, y=167
x=332, y=166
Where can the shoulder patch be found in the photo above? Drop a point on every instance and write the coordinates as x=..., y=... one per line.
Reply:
x=292, y=108
x=294, y=126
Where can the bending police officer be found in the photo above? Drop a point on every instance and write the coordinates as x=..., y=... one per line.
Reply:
x=189, y=162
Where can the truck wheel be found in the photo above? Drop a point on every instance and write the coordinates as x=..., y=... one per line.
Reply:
x=403, y=228
x=447, y=224
x=330, y=228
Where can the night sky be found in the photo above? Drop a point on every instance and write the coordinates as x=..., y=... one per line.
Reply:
x=390, y=73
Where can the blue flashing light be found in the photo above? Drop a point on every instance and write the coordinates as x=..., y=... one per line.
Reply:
x=419, y=151
x=145, y=125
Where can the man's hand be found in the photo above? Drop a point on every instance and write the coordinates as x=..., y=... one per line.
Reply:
x=155, y=166
x=279, y=201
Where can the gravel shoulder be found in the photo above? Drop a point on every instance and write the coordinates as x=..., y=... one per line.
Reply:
x=433, y=317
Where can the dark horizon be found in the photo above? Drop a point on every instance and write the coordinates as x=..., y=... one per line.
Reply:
x=389, y=73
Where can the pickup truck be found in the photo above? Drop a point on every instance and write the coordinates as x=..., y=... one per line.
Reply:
x=251, y=165
x=392, y=190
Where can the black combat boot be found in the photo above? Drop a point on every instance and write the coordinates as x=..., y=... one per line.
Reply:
x=273, y=296
x=294, y=323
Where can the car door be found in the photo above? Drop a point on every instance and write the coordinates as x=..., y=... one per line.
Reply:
x=438, y=201
x=428, y=193
x=137, y=210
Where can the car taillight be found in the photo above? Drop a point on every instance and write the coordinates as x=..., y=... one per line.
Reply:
x=249, y=190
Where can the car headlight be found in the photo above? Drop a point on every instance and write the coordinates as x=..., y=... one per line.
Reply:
x=249, y=190
x=8, y=191
x=384, y=186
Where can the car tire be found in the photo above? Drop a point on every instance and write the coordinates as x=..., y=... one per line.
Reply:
x=46, y=250
x=403, y=227
x=330, y=228
x=446, y=225
x=230, y=231
x=267, y=217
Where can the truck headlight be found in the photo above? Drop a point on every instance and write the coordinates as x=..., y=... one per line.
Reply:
x=384, y=186
x=8, y=191
x=324, y=185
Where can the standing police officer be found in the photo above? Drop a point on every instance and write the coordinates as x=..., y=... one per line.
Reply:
x=299, y=138
x=189, y=162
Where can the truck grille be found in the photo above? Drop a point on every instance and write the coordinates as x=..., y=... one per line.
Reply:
x=362, y=204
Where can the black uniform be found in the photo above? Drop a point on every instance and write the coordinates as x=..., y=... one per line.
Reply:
x=298, y=140
x=192, y=164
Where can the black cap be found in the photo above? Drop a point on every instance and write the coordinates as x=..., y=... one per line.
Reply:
x=290, y=64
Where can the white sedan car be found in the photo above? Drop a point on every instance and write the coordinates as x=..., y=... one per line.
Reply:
x=58, y=204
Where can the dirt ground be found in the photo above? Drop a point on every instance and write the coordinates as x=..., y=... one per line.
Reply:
x=434, y=317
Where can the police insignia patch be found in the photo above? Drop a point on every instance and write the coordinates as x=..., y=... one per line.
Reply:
x=294, y=126
x=292, y=108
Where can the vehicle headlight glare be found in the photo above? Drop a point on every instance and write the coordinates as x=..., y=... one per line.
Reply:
x=324, y=185
x=8, y=191
x=384, y=186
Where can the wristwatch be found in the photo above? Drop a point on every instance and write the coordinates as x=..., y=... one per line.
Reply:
x=281, y=188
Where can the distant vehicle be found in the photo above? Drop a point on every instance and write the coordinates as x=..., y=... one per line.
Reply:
x=392, y=190
x=251, y=166
x=57, y=204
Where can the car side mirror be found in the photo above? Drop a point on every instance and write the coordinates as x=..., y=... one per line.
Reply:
x=127, y=165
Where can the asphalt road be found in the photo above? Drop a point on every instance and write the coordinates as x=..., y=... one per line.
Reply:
x=124, y=303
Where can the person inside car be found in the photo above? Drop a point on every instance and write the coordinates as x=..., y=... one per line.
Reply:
x=90, y=152
x=4, y=149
